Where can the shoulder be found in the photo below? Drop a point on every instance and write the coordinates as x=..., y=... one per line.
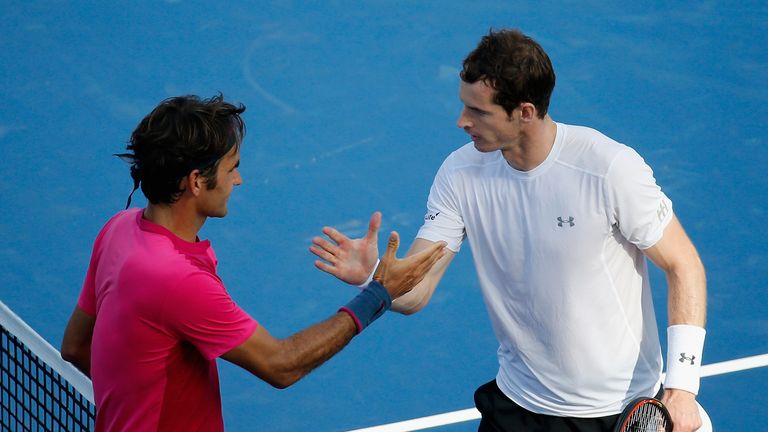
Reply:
x=590, y=150
x=194, y=291
x=116, y=222
x=467, y=156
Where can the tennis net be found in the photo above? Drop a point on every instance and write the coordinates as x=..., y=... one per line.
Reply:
x=38, y=390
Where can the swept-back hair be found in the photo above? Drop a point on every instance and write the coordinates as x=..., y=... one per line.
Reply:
x=514, y=65
x=182, y=134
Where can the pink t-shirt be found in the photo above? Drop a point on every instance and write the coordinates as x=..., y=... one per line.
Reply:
x=162, y=318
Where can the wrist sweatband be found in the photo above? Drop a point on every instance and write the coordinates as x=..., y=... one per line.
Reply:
x=370, y=276
x=685, y=344
x=370, y=304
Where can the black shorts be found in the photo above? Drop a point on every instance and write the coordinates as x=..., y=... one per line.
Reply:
x=500, y=414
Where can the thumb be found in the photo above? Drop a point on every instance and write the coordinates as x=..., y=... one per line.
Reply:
x=392, y=245
x=373, y=226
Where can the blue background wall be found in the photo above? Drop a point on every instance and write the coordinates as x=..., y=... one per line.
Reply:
x=351, y=109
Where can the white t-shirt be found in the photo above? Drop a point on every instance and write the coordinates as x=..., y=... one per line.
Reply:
x=558, y=251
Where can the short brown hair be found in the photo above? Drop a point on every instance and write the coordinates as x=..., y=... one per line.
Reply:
x=514, y=65
x=180, y=135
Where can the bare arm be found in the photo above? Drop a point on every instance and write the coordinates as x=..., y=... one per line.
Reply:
x=76, y=345
x=283, y=362
x=687, y=304
x=352, y=260
x=686, y=280
x=419, y=296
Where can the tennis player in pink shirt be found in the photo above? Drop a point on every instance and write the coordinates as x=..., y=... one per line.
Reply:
x=153, y=315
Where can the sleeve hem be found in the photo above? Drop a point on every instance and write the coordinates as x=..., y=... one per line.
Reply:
x=658, y=234
x=247, y=333
x=453, y=246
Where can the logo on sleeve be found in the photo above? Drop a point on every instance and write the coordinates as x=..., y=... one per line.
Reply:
x=684, y=359
x=430, y=216
x=662, y=211
x=561, y=221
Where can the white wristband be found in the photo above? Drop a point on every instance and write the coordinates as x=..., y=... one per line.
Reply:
x=370, y=276
x=685, y=344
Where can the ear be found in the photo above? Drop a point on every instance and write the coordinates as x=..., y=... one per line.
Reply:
x=528, y=112
x=192, y=183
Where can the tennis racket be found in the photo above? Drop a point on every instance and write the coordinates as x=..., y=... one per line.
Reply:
x=644, y=415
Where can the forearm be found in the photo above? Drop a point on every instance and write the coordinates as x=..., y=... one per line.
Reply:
x=282, y=362
x=685, y=335
x=415, y=300
x=301, y=353
x=687, y=303
x=676, y=255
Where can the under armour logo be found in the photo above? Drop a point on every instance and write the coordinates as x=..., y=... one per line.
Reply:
x=684, y=359
x=430, y=216
x=662, y=211
x=568, y=221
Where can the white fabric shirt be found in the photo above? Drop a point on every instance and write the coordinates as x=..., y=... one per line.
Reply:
x=558, y=251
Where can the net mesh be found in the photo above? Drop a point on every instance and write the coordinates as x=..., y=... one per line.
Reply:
x=35, y=396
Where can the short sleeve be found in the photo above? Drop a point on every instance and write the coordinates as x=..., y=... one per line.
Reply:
x=87, y=300
x=443, y=221
x=201, y=312
x=637, y=204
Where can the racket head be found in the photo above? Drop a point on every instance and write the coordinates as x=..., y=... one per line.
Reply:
x=644, y=414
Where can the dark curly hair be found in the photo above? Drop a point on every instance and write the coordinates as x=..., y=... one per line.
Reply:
x=182, y=134
x=514, y=65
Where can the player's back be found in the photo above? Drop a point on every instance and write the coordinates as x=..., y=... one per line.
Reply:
x=142, y=369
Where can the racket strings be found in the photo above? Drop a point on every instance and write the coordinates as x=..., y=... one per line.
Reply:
x=647, y=418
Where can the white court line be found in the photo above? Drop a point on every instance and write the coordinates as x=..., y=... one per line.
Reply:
x=472, y=413
x=734, y=365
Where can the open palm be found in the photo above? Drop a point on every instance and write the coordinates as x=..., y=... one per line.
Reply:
x=350, y=260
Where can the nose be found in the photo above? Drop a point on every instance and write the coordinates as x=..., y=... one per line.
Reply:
x=238, y=178
x=463, y=122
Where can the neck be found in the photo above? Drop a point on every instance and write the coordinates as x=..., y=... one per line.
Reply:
x=176, y=218
x=533, y=146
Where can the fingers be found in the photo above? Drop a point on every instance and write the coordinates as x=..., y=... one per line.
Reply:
x=440, y=245
x=335, y=235
x=392, y=245
x=323, y=254
x=373, y=226
x=429, y=256
x=325, y=244
x=437, y=251
x=327, y=268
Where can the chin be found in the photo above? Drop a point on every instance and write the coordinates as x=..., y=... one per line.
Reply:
x=482, y=149
x=219, y=213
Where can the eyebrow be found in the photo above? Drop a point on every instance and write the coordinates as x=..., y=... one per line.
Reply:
x=472, y=107
x=476, y=109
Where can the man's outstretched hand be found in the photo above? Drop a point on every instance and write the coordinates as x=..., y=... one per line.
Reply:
x=350, y=260
x=399, y=276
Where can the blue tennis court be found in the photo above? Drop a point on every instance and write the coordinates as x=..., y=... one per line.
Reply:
x=352, y=109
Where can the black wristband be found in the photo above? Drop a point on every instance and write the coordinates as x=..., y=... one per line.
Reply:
x=370, y=304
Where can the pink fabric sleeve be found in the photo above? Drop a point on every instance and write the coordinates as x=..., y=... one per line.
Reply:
x=87, y=299
x=201, y=312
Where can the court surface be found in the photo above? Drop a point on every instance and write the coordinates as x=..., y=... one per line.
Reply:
x=351, y=109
